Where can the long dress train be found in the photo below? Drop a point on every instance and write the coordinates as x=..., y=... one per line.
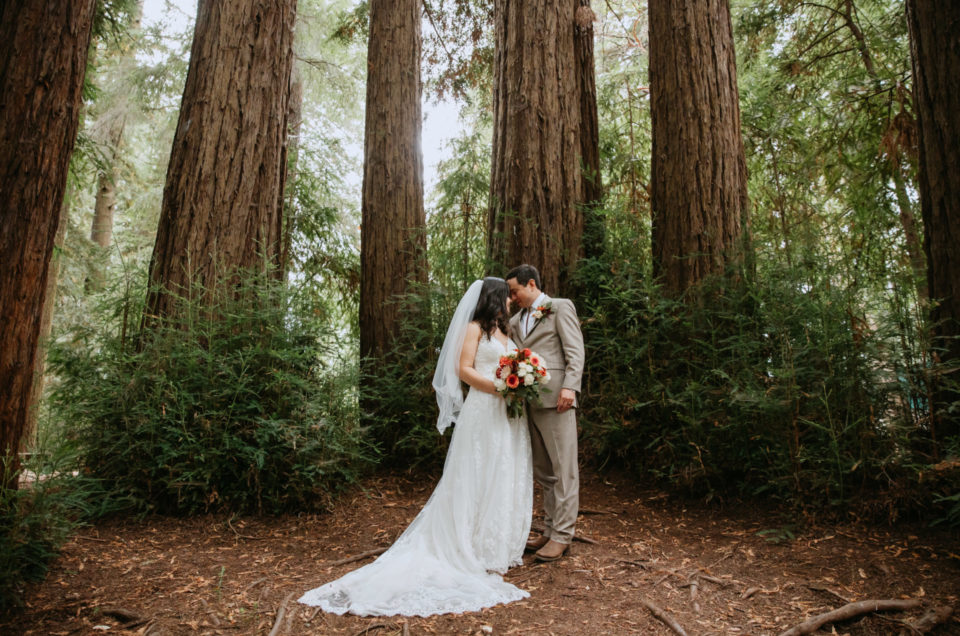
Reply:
x=471, y=530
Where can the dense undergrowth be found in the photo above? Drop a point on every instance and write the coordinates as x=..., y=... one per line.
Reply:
x=227, y=410
x=787, y=388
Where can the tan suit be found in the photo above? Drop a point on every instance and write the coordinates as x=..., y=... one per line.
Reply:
x=558, y=341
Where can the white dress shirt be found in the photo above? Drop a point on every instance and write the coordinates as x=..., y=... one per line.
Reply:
x=528, y=319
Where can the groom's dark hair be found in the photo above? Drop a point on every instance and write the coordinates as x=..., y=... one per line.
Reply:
x=523, y=274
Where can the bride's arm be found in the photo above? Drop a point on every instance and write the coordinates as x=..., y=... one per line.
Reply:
x=467, y=356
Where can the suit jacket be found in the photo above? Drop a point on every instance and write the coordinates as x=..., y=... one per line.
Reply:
x=558, y=340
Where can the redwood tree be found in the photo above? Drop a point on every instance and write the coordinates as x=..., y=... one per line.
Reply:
x=699, y=175
x=43, y=58
x=223, y=198
x=536, y=187
x=935, y=44
x=393, y=230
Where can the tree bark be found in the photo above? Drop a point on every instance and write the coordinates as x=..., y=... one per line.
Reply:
x=935, y=44
x=592, y=197
x=223, y=198
x=43, y=58
x=393, y=230
x=536, y=183
x=699, y=176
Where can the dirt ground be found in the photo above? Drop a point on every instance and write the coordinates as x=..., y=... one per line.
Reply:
x=714, y=570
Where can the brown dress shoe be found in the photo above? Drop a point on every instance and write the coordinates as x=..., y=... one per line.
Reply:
x=535, y=544
x=551, y=553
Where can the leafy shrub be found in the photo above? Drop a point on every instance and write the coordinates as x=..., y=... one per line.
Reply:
x=53, y=499
x=399, y=402
x=226, y=409
x=789, y=387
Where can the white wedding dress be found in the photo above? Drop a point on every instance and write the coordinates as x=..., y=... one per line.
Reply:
x=471, y=530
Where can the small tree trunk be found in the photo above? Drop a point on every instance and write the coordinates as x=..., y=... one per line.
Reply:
x=393, y=230
x=536, y=182
x=908, y=223
x=935, y=44
x=101, y=230
x=699, y=175
x=294, y=122
x=223, y=198
x=43, y=58
x=46, y=323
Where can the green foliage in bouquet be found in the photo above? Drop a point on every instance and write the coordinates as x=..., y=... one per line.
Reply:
x=233, y=408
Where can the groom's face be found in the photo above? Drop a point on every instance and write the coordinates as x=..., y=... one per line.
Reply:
x=523, y=295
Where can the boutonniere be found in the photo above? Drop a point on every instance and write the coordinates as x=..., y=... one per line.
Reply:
x=542, y=312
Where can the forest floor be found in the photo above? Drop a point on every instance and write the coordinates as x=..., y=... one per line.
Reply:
x=713, y=569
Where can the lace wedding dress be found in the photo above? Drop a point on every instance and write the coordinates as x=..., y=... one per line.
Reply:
x=473, y=527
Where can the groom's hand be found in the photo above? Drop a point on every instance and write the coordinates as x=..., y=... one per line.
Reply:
x=565, y=400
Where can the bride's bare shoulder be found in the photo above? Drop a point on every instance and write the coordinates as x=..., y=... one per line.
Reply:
x=473, y=330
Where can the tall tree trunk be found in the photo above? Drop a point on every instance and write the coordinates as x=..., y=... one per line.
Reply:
x=593, y=224
x=43, y=58
x=536, y=183
x=699, y=175
x=935, y=43
x=393, y=230
x=223, y=198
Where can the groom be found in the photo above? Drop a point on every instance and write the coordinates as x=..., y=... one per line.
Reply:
x=550, y=327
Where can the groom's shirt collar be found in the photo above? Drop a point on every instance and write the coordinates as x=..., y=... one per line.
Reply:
x=527, y=322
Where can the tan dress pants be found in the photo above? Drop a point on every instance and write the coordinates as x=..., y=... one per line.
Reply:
x=553, y=437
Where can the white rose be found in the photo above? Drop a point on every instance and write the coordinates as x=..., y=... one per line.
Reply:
x=528, y=380
x=546, y=378
x=499, y=384
x=537, y=315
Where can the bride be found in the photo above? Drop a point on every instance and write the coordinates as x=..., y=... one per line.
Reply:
x=475, y=524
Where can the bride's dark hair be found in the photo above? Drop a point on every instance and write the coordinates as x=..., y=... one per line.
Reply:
x=491, y=308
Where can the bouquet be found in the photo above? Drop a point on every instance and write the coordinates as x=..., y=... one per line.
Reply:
x=521, y=376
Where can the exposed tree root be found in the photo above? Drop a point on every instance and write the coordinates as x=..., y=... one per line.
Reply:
x=357, y=557
x=849, y=611
x=667, y=620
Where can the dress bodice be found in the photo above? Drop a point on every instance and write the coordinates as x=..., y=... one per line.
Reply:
x=488, y=355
